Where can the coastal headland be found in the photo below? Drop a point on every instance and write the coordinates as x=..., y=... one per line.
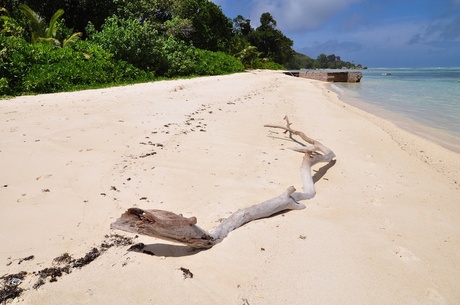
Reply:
x=383, y=228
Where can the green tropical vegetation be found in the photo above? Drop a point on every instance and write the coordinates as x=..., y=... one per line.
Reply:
x=51, y=46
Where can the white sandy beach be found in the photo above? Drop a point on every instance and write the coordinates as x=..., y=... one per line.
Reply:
x=384, y=227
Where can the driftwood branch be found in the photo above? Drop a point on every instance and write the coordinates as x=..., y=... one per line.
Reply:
x=314, y=152
x=169, y=226
x=265, y=209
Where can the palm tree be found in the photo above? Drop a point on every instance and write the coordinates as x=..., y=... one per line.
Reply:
x=41, y=32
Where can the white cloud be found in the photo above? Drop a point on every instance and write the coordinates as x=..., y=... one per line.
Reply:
x=298, y=15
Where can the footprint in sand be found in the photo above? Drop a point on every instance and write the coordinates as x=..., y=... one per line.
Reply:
x=405, y=254
x=376, y=202
x=23, y=198
x=369, y=174
x=386, y=224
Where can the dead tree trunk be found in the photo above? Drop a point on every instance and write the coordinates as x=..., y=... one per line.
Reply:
x=173, y=227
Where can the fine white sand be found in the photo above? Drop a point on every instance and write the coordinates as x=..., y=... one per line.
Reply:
x=384, y=227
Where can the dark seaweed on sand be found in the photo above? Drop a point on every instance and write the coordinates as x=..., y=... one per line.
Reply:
x=63, y=264
x=10, y=290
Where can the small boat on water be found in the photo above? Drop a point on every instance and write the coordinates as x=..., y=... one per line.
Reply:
x=386, y=74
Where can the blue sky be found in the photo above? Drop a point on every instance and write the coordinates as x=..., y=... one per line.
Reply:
x=375, y=33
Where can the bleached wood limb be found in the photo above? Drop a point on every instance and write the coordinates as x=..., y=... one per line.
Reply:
x=262, y=210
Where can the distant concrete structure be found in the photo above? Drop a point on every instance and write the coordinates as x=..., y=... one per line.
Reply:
x=329, y=76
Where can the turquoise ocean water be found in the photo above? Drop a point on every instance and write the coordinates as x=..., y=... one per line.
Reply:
x=424, y=101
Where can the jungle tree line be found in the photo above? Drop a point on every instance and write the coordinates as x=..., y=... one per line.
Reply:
x=71, y=43
x=200, y=23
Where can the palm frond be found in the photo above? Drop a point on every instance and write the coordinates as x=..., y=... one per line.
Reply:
x=52, y=41
x=4, y=18
x=72, y=39
x=4, y=10
x=52, y=28
x=35, y=22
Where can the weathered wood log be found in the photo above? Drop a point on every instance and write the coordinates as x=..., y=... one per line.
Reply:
x=169, y=226
x=164, y=225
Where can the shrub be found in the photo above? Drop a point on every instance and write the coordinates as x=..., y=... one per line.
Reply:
x=183, y=59
x=268, y=65
x=180, y=58
x=42, y=68
x=141, y=45
x=4, y=87
x=13, y=64
x=216, y=63
x=67, y=68
x=129, y=40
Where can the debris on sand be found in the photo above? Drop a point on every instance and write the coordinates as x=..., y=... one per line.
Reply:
x=187, y=273
x=63, y=264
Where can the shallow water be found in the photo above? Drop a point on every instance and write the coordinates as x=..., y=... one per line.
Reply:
x=427, y=100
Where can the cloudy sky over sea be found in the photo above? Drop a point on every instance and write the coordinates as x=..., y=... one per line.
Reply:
x=390, y=33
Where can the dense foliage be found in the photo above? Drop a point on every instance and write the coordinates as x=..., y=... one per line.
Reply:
x=43, y=68
x=141, y=45
x=50, y=46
